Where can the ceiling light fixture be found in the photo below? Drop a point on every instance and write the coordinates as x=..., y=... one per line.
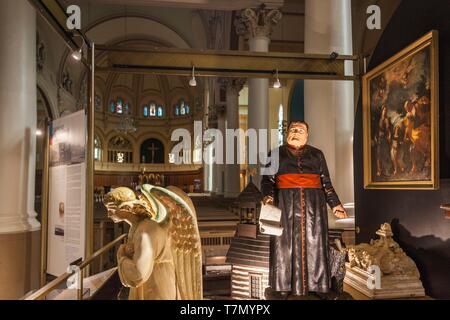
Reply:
x=193, y=82
x=78, y=54
x=277, y=83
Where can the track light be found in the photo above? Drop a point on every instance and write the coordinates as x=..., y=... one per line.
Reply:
x=193, y=82
x=277, y=83
x=77, y=54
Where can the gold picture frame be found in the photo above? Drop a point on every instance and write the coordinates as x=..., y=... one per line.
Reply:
x=400, y=119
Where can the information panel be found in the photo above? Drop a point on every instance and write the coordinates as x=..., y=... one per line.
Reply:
x=67, y=192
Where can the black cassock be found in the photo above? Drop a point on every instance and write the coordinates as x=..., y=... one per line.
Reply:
x=299, y=260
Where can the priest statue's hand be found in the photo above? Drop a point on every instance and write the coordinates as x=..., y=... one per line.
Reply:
x=267, y=200
x=340, y=212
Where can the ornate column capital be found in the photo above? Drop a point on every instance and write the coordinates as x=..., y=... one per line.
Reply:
x=259, y=22
x=214, y=112
x=235, y=84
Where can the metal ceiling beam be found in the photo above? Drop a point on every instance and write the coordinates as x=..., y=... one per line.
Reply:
x=207, y=63
x=211, y=63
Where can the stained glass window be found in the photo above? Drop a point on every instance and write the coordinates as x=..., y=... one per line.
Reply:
x=97, y=149
x=152, y=109
x=119, y=106
x=182, y=108
x=98, y=103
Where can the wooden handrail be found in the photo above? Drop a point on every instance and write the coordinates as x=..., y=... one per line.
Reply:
x=45, y=290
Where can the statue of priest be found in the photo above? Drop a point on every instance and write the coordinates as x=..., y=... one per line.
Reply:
x=301, y=188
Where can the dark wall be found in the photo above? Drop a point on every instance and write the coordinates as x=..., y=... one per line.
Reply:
x=416, y=219
x=297, y=104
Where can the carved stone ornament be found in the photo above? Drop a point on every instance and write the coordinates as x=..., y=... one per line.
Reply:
x=258, y=22
x=381, y=269
x=41, y=53
x=119, y=143
x=385, y=253
x=235, y=84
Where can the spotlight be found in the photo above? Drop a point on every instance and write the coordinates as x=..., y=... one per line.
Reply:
x=193, y=82
x=78, y=54
x=277, y=83
x=38, y=132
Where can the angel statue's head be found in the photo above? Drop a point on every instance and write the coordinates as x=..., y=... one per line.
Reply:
x=123, y=205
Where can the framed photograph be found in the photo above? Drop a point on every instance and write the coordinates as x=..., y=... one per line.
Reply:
x=400, y=118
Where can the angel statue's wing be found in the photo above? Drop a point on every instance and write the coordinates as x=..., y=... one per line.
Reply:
x=179, y=213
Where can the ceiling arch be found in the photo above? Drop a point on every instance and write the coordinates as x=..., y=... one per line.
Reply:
x=111, y=29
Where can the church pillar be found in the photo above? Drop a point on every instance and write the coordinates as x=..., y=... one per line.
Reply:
x=19, y=229
x=329, y=105
x=257, y=25
x=207, y=168
x=219, y=168
x=232, y=170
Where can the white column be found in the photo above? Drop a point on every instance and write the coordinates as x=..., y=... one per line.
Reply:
x=257, y=25
x=219, y=168
x=232, y=170
x=207, y=168
x=17, y=116
x=19, y=229
x=329, y=105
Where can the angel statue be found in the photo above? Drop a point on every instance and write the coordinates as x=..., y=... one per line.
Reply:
x=162, y=258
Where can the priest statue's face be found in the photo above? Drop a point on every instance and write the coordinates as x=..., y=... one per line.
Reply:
x=297, y=134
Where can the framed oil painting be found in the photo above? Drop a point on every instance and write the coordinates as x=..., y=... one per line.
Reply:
x=400, y=117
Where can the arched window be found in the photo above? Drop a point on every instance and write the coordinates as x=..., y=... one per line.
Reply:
x=98, y=103
x=119, y=106
x=182, y=108
x=97, y=149
x=152, y=151
x=152, y=110
x=120, y=150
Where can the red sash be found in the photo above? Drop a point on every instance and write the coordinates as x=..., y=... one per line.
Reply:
x=299, y=180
